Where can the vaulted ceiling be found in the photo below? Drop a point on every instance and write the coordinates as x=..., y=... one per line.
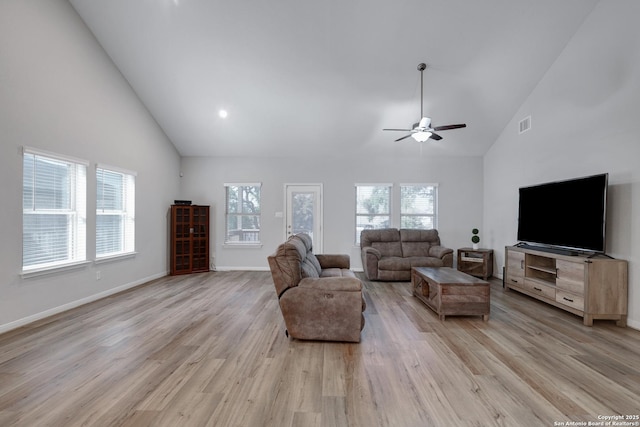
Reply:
x=323, y=78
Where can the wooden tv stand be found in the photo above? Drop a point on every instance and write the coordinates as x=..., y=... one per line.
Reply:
x=590, y=287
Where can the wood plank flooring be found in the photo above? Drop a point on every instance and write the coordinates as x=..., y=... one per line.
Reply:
x=210, y=350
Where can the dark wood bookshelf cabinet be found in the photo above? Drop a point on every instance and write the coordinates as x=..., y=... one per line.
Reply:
x=189, y=239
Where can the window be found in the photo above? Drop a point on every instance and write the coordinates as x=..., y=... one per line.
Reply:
x=418, y=206
x=373, y=207
x=242, y=212
x=54, y=210
x=115, y=212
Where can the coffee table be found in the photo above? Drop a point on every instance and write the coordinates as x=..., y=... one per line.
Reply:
x=450, y=292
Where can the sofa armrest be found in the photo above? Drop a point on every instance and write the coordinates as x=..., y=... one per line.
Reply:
x=333, y=284
x=334, y=261
x=439, y=251
x=371, y=251
x=370, y=257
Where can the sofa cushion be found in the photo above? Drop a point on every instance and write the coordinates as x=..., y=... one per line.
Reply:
x=416, y=243
x=394, y=263
x=337, y=272
x=415, y=249
x=388, y=249
x=306, y=240
x=297, y=244
x=367, y=237
x=313, y=260
x=308, y=269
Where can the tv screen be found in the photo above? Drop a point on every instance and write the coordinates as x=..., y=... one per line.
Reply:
x=568, y=214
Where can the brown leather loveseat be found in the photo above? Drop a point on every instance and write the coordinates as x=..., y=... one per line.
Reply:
x=388, y=254
x=320, y=297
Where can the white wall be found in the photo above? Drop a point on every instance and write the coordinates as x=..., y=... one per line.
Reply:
x=60, y=92
x=460, y=197
x=585, y=120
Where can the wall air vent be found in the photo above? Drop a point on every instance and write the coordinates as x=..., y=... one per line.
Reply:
x=525, y=124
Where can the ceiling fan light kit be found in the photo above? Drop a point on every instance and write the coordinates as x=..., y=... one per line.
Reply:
x=423, y=131
x=421, y=136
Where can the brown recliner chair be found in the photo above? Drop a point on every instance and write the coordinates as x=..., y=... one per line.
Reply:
x=320, y=297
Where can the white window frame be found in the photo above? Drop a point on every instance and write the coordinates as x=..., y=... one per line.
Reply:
x=433, y=214
x=358, y=215
x=241, y=242
x=76, y=213
x=125, y=239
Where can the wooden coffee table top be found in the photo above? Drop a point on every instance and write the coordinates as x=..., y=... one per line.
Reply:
x=448, y=276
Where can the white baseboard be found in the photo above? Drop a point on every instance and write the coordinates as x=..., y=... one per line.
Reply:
x=633, y=324
x=56, y=310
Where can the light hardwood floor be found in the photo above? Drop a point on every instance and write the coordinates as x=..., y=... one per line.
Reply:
x=210, y=349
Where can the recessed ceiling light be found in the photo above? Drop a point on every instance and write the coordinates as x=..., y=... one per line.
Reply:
x=223, y=114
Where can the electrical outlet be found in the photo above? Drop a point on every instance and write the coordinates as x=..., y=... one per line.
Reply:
x=98, y=275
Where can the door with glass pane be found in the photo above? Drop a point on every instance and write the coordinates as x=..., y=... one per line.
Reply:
x=304, y=212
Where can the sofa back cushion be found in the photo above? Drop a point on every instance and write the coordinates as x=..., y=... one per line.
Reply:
x=308, y=269
x=416, y=243
x=310, y=264
x=386, y=240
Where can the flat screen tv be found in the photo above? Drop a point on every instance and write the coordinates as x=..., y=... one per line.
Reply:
x=565, y=214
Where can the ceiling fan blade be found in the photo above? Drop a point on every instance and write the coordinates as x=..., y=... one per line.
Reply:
x=435, y=136
x=448, y=127
x=400, y=139
x=404, y=130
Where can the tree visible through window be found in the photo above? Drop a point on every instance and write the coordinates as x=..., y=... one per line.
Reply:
x=373, y=207
x=418, y=206
x=242, y=213
x=303, y=213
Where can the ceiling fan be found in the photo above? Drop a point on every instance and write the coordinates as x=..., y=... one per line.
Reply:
x=422, y=130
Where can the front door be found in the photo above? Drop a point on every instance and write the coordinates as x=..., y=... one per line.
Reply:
x=304, y=212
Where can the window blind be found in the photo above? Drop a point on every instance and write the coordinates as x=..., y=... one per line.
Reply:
x=373, y=207
x=54, y=211
x=115, y=212
x=418, y=206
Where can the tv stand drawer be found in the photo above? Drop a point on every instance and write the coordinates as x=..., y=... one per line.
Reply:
x=540, y=289
x=572, y=300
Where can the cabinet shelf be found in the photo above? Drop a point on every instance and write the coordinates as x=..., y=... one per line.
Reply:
x=535, y=280
x=553, y=271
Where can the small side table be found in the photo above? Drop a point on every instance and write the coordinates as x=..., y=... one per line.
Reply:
x=476, y=262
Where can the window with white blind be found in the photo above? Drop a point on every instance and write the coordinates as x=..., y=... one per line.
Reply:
x=418, y=206
x=115, y=212
x=373, y=207
x=242, y=213
x=54, y=210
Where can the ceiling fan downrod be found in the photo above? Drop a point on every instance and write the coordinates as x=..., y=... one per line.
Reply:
x=421, y=67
